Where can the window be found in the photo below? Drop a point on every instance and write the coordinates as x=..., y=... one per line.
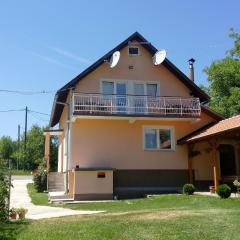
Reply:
x=151, y=139
x=159, y=138
x=151, y=89
x=133, y=51
x=107, y=88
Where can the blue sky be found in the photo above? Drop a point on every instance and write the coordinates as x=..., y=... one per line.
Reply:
x=44, y=44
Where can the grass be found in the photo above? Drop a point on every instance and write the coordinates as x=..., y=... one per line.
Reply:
x=167, y=217
x=16, y=172
x=37, y=198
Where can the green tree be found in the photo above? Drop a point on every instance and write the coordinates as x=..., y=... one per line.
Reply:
x=34, y=147
x=6, y=147
x=224, y=81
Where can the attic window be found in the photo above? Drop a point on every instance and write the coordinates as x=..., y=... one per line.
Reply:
x=133, y=51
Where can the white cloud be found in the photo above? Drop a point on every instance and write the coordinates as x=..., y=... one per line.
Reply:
x=70, y=55
x=52, y=60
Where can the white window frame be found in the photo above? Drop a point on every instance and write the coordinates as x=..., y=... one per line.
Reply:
x=172, y=133
x=130, y=85
x=145, y=86
x=133, y=55
x=114, y=81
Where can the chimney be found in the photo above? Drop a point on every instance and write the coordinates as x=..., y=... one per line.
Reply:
x=191, y=69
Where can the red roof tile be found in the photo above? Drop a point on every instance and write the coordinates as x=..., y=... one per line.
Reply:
x=220, y=127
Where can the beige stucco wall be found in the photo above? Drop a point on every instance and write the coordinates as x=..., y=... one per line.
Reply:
x=203, y=163
x=144, y=70
x=87, y=182
x=119, y=144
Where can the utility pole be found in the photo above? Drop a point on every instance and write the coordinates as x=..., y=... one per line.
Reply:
x=25, y=138
x=18, y=146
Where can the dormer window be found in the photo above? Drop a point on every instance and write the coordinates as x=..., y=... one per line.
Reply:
x=133, y=51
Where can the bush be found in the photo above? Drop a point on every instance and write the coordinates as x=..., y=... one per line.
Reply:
x=224, y=191
x=21, y=213
x=188, y=189
x=40, y=181
x=4, y=193
x=40, y=178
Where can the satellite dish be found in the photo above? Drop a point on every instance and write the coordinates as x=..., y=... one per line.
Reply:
x=159, y=57
x=114, y=59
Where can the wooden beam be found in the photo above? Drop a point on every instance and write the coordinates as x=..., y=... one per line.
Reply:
x=190, y=170
x=214, y=146
x=47, y=150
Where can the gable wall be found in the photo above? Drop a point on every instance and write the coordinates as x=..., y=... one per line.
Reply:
x=144, y=70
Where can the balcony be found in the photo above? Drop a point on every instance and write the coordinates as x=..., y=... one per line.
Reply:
x=132, y=105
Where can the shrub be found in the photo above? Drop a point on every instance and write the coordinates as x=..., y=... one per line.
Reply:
x=236, y=184
x=13, y=213
x=4, y=193
x=40, y=181
x=21, y=213
x=224, y=191
x=188, y=189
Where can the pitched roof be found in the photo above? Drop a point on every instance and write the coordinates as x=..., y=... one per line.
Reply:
x=223, y=126
x=62, y=93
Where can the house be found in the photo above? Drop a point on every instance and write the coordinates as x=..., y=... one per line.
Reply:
x=136, y=129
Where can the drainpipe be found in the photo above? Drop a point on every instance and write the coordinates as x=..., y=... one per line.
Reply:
x=191, y=68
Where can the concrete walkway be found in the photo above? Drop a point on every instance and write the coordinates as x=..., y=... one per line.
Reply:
x=20, y=198
x=233, y=195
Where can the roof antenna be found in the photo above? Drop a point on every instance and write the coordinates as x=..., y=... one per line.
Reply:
x=191, y=68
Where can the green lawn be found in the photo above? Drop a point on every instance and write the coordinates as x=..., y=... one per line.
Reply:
x=161, y=217
x=37, y=198
x=16, y=172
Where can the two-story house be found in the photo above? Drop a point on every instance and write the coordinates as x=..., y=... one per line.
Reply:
x=119, y=127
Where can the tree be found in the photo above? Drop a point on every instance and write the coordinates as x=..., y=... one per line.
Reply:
x=6, y=147
x=35, y=147
x=235, y=51
x=224, y=81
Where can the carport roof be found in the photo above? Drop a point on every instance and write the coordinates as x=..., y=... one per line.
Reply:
x=222, y=126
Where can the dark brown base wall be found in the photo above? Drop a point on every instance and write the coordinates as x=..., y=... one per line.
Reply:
x=203, y=185
x=93, y=197
x=137, y=183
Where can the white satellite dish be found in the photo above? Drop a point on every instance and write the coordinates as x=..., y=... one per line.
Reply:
x=159, y=57
x=114, y=59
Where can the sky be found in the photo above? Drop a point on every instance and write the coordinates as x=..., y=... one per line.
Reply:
x=44, y=44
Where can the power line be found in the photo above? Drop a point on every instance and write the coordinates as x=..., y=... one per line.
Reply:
x=26, y=92
x=46, y=114
x=12, y=110
x=29, y=93
x=37, y=117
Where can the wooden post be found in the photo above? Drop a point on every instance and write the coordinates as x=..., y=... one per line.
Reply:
x=47, y=150
x=214, y=145
x=190, y=170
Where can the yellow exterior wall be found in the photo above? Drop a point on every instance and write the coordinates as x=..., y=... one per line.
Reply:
x=119, y=144
x=87, y=182
x=144, y=70
x=203, y=163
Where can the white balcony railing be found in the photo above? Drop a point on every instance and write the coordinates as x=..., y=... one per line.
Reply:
x=99, y=104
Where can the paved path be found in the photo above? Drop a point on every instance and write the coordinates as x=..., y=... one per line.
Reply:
x=20, y=198
x=233, y=195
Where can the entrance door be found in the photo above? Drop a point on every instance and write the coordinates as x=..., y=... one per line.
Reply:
x=227, y=160
x=121, y=91
x=139, y=98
